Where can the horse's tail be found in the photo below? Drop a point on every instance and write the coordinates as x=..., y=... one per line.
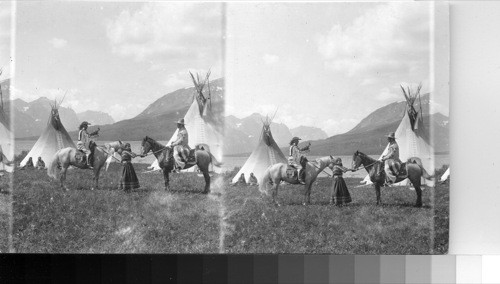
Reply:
x=111, y=153
x=418, y=162
x=53, y=165
x=214, y=161
x=266, y=179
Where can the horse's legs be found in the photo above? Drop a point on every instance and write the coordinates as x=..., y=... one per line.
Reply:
x=307, y=194
x=166, y=178
x=418, y=190
x=377, y=192
x=207, y=181
x=63, y=178
x=276, y=184
x=96, y=178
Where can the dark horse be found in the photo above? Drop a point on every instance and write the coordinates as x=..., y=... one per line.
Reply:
x=165, y=157
x=414, y=172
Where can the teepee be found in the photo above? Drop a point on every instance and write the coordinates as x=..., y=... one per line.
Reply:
x=266, y=154
x=52, y=139
x=445, y=176
x=6, y=144
x=412, y=137
x=201, y=123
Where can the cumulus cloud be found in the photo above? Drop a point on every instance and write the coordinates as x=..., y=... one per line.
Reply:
x=58, y=43
x=175, y=30
x=270, y=59
x=389, y=39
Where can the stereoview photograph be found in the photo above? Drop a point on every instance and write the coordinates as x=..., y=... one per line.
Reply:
x=168, y=127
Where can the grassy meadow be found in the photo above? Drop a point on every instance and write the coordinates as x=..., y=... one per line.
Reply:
x=361, y=227
x=233, y=219
x=108, y=220
x=5, y=208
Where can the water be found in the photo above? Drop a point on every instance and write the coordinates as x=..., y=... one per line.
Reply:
x=231, y=162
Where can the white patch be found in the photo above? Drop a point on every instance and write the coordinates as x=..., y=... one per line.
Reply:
x=124, y=231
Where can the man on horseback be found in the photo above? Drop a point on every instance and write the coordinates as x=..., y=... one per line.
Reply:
x=181, y=147
x=84, y=139
x=297, y=160
x=391, y=159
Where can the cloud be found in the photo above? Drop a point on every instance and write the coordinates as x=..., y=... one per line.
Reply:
x=122, y=111
x=175, y=30
x=58, y=43
x=270, y=59
x=182, y=78
x=387, y=95
x=5, y=32
x=334, y=126
x=389, y=39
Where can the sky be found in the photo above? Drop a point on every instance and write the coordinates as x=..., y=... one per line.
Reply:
x=5, y=36
x=326, y=64
x=111, y=56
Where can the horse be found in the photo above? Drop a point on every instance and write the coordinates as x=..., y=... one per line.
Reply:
x=164, y=155
x=276, y=173
x=70, y=156
x=113, y=152
x=414, y=172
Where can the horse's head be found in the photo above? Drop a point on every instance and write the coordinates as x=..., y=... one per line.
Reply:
x=331, y=161
x=146, y=146
x=357, y=160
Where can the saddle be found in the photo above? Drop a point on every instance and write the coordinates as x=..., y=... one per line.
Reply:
x=402, y=173
x=292, y=172
x=191, y=159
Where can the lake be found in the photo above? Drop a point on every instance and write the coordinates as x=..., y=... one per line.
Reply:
x=230, y=162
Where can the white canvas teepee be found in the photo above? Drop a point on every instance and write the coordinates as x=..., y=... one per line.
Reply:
x=52, y=139
x=266, y=154
x=445, y=176
x=412, y=138
x=200, y=124
x=6, y=138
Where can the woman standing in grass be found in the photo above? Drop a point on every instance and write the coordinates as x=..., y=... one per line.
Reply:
x=129, y=179
x=340, y=194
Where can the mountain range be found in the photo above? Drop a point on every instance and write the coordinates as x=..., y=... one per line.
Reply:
x=369, y=134
x=241, y=134
x=30, y=118
x=159, y=119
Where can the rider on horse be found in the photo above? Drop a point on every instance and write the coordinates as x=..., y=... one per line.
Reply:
x=181, y=147
x=295, y=158
x=391, y=159
x=84, y=139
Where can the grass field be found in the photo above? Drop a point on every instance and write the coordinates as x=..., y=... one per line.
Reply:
x=231, y=220
x=148, y=220
x=5, y=211
x=396, y=227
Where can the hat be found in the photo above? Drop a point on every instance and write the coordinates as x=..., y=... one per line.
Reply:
x=296, y=138
x=86, y=123
x=391, y=135
x=181, y=121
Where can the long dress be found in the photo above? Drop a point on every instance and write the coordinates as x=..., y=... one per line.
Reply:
x=340, y=193
x=129, y=178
